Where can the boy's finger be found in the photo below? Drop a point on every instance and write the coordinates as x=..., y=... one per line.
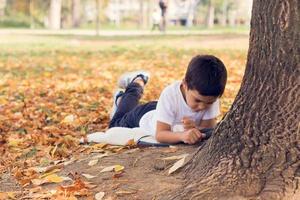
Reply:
x=193, y=139
x=197, y=132
x=196, y=136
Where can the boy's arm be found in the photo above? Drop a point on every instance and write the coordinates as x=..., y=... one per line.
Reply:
x=208, y=123
x=165, y=135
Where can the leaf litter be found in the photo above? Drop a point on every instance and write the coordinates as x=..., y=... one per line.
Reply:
x=47, y=103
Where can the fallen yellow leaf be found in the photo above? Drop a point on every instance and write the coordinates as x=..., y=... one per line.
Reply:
x=11, y=195
x=14, y=142
x=49, y=173
x=54, y=178
x=118, y=168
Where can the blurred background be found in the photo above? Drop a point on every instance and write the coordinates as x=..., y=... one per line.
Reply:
x=125, y=14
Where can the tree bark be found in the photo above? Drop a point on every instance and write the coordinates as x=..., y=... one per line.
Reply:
x=254, y=152
x=55, y=14
x=76, y=13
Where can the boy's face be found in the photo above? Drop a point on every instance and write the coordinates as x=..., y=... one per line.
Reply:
x=196, y=101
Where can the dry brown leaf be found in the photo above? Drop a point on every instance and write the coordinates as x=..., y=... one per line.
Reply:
x=99, y=195
x=88, y=176
x=69, y=119
x=108, y=169
x=176, y=157
x=52, y=178
x=101, y=156
x=78, y=188
x=93, y=162
x=116, y=168
x=171, y=149
x=177, y=165
x=125, y=192
x=99, y=146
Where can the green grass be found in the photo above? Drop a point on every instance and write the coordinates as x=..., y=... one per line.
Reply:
x=16, y=44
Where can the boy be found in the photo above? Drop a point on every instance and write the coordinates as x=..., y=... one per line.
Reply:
x=192, y=102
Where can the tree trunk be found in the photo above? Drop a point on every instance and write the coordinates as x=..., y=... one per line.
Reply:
x=97, y=17
x=232, y=17
x=2, y=7
x=55, y=14
x=149, y=13
x=223, y=20
x=118, y=13
x=141, y=14
x=254, y=152
x=76, y=13
x=210, y=15
x=31, y=11
x=193, y=4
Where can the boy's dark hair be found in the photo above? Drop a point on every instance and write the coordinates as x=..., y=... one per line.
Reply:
x=206, y=74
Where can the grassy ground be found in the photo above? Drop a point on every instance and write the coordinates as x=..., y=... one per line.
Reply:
x=54, y=89
x=11, y=44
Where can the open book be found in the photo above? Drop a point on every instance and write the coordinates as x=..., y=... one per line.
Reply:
x=121, y=136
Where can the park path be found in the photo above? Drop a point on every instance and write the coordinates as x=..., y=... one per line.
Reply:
x=110, y=33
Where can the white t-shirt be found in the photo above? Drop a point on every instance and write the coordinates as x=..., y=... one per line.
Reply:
x=171, y=108
x=156, y=17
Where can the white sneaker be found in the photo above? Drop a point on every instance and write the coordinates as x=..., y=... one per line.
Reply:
x=128, y=77
x=118, y=93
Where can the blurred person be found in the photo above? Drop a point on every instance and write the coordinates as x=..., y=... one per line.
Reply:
x=163, y=7
x=156, y=19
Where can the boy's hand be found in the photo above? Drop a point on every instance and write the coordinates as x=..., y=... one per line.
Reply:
x=192, y=136
x=188, y=123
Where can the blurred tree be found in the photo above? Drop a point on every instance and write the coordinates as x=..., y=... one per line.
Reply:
x=55, y=14
x=223, y=20
x=37, y=12
x=193, y=6
x=232, y=11
x=143, y=13
x=2, y=7
x=210, y=17
x=76, y=13
x=97, y=17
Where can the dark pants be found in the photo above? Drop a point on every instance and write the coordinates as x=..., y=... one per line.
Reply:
x=129, y=112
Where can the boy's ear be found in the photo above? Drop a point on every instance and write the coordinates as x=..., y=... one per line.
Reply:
x=184, y=85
